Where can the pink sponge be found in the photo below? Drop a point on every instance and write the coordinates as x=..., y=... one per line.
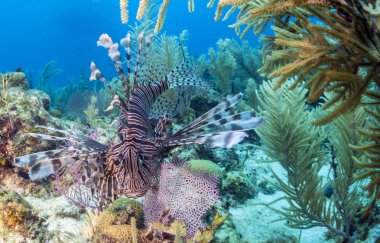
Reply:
x=184, y=195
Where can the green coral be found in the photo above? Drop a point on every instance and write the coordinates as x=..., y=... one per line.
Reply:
x=206, y=166
x=222, y=65
x=92, y=112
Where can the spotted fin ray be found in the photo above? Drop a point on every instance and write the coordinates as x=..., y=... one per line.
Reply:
x=220, y=111
x=185, y=74
x=184, y=82
x=219, y=127
x=45, y=163
x=31, y=159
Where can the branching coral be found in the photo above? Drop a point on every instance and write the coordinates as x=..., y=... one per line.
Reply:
x=4, y=90
x=221, y=66
x=289, y=138
x=92, y=112
x=48, y=72
x=339, y=53
x=250, y=92
x=124, y=11
x=232, y=64
x=144, y=5
x=372, y=148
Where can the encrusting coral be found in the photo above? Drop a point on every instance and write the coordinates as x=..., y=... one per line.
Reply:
x=120, y=222
x=20, y=110
x=16, y=215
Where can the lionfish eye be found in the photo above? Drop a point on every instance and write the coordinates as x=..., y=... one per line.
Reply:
x=141, y=159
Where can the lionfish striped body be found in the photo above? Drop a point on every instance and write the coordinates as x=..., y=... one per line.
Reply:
x=131, y=167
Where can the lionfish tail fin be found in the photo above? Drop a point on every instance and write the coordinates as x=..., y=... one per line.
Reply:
x=187, y=73
x=184, y=82
x=219, y=127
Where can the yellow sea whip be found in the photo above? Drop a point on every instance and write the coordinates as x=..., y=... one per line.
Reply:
x=143, y=4
x=124, y=11
x=161, y=15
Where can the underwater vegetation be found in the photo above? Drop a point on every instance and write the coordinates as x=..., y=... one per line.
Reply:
x=136, y=156
x=338, y=54
x=340, y=209
x=232, y=65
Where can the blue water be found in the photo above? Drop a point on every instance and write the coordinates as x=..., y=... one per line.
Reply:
x=37, y=31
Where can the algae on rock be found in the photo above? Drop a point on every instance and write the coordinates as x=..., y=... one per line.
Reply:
x=17, y=216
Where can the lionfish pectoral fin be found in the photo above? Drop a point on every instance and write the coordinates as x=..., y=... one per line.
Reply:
x=45, y=168
x=31, y=159
x=184, y=82
x=222, y=139
x=219, y=127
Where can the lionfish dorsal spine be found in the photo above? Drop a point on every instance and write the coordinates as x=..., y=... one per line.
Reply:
x=126, y=42
x=137, y=64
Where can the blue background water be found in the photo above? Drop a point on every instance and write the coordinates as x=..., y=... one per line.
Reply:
x=37, y=31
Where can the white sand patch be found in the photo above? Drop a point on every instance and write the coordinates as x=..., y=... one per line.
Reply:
x=258, y=223
x=59, y=214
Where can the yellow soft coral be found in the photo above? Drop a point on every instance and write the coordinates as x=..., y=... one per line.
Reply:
x=143, y=4
x=161, y=15
x=124, y=11
x=118, y=223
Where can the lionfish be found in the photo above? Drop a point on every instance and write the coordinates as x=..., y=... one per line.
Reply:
x=130, y=167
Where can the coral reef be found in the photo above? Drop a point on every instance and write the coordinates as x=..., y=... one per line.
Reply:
x=20, y=111
x=16, y=215
x=120, y=222
x=339, y=53
x=221, y=66
x=47, y=73
x=204, y=166
x=159, y=232
x=144, y=5
x=11, y=80
x=238, y=186
x=92, y=112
